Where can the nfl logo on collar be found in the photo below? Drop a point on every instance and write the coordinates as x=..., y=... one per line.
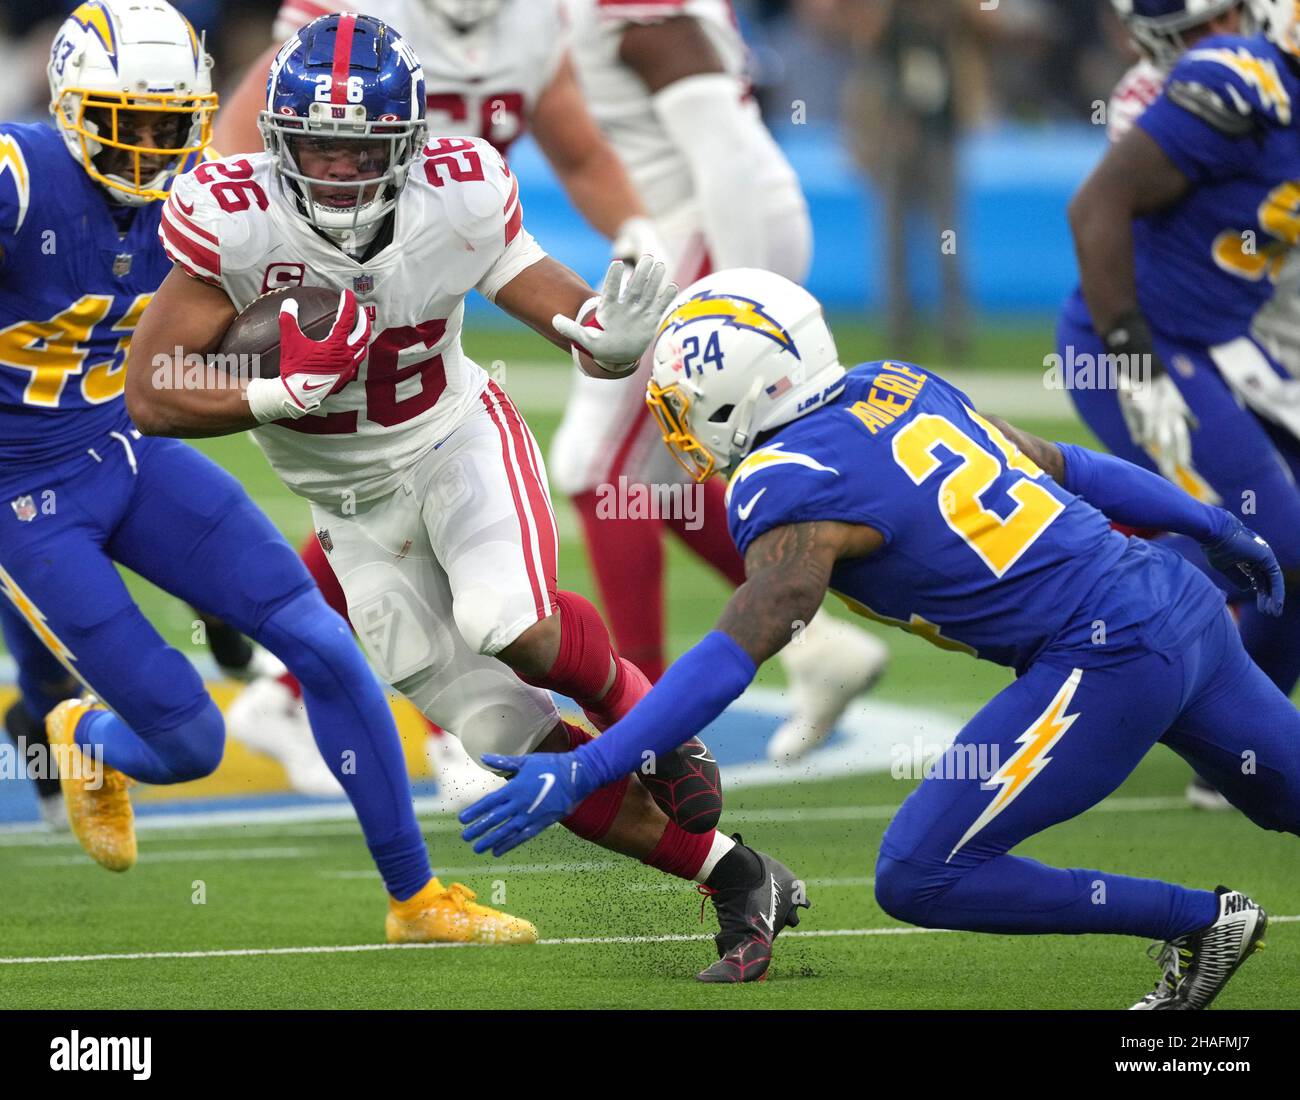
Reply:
x=363, y=284
x=122, y=264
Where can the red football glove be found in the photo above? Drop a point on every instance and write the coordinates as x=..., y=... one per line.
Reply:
x=311, y=370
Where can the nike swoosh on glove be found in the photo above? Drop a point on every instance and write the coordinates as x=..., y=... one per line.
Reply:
x=1248, y=561
x=311, y=370
x=545, y=788
x=615, y=335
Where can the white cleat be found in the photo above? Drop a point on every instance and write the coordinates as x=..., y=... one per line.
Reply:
x=268, y=718
x=1203, y=796
x=461, y=782
x=54, y=815
x=828, y=666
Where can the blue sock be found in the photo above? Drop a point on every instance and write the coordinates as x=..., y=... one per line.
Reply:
x=356, y=734
x=1011, y=894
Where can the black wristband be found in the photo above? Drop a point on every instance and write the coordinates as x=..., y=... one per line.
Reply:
x=1130, y=337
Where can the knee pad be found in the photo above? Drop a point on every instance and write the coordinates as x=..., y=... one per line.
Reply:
x=194, y=748
x=489, y=709
x=313, y=641
x=480, y=613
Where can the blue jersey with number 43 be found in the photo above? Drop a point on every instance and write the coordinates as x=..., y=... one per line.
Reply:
x=984, y=553
x=76, y=273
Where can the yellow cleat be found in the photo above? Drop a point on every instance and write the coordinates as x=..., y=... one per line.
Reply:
x=99, y=809
x=449, y=914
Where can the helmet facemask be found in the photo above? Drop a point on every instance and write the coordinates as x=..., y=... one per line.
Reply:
x=346, y=173
x=109, y=129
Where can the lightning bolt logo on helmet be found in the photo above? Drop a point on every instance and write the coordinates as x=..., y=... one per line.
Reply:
x=732, y=310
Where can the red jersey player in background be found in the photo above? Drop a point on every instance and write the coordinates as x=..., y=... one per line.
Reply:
x=665, y=80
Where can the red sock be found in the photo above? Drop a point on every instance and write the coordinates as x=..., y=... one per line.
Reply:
x=712, y=540
x=681, y=853
x=592, y=817
x=581, y=667
x=627, y=559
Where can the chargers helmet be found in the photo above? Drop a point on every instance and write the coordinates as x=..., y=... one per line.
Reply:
x=346, y=81
x=737, y=354
x=1158, y=26
x=116, y=58
x=1280, y=20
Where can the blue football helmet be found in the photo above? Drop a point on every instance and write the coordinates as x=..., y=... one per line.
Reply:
x=1158, y=26
x=345, y=98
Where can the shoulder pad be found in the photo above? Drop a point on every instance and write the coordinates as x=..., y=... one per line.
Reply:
x=15, y=184
x=479, y=193
x=1223, y=84
x=1235, y=118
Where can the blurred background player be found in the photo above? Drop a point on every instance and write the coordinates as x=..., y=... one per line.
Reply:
x=1177, y=217
x=1160, y=30
x=493, y=69
x=665, y=79
x=131, y=95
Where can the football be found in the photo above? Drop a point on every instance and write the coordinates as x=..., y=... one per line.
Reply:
x=254, y=336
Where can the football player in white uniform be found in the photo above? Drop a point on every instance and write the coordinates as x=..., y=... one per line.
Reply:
x=665, y=79
x=427, y=489
x=492, y=69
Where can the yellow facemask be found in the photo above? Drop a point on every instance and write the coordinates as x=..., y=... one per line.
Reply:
x=71, y=108
x=669, y=405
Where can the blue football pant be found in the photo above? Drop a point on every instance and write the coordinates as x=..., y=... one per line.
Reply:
x=1248, y=463
x=1059, y=740
x=169, y=514
x=43, y=682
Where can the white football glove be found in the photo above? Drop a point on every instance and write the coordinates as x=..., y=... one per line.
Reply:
x=613, y=331
x=1159, y=421
x=635, y=238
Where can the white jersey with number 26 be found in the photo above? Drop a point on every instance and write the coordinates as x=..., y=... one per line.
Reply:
x=458, y=226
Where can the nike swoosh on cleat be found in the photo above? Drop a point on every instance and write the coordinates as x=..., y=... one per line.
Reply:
x=548, y=781
x=769, y=918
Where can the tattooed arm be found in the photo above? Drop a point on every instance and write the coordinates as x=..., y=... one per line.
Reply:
x=788, y=570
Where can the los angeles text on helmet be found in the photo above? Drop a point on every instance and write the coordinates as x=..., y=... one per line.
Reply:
x=191, y=371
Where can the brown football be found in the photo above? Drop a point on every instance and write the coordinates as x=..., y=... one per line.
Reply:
x=256, y=331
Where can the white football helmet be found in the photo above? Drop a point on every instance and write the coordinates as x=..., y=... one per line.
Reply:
x=737, y=354
x=115, y=58
x=1280, y=20
x=465, y=15
x=1159, y=27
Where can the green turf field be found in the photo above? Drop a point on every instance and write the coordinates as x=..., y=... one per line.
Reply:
x=616, y=934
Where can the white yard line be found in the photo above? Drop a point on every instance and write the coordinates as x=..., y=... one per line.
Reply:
x=570, y=941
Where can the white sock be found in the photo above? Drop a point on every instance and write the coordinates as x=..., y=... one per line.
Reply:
x=722, y=844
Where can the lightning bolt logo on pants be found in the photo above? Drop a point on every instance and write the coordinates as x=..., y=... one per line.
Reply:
x=1035, y=743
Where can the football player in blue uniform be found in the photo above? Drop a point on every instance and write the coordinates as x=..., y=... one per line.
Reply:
x=1180, y=234
x=885, y=485
x=79, y=217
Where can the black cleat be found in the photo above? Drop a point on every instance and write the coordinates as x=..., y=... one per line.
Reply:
x=1198, y=965
x=751, y=912
x=687, y=786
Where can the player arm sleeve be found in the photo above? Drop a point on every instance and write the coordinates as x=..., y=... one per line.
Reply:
x=724, y=146
x=1136, y=497
x=697, y=688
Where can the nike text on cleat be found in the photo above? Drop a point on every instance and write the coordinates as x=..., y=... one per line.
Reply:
x=687, y=785
x=439, y=914
x=99, y=808
x=1198, y=965
x=750, y=918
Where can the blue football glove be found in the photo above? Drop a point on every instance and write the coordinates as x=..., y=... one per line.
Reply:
x=546, y=787
x=1248, y=561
